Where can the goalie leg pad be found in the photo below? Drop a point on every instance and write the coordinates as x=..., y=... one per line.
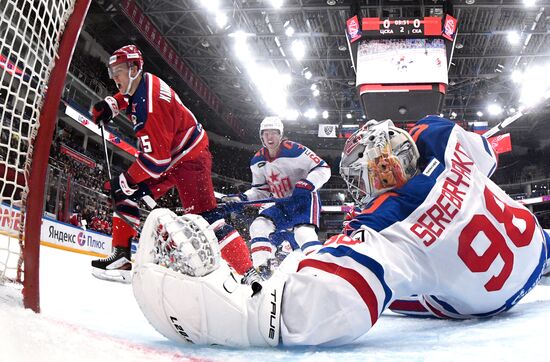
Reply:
x=210, y=308
x=197, y=310
x=214, y=309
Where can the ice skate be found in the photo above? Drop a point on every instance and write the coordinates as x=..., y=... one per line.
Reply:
x=117, y=267
x=252, y=278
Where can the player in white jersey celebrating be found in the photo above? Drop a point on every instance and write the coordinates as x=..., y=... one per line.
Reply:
x=433, y=225
x=290, y=172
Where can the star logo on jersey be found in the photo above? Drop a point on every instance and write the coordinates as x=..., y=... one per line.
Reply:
x=274, y=177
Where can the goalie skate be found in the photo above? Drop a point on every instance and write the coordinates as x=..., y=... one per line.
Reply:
x=115, y=268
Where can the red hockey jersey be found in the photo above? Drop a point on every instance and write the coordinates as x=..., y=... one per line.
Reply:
x=168, y=132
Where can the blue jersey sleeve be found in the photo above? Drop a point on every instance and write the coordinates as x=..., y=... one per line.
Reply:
x=432, y=135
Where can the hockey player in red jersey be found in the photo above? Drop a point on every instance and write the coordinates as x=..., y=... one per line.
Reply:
x=432, y=225
x=173, y=152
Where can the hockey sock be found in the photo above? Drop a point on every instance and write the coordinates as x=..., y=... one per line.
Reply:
x=234, y=249
x=122, y=233
x=261, y=250
x=307, y=238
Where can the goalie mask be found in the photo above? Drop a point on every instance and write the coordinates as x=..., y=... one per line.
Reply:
x=129, y=55
x=377, y=158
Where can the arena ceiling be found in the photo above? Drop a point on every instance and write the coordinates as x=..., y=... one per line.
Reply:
x=483, y=61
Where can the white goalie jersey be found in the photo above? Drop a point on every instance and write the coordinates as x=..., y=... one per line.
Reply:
x=486, y=249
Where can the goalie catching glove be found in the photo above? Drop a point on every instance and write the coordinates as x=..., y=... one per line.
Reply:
x=190, y=295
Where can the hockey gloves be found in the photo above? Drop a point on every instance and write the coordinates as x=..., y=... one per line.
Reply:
x=232, y=198
x=105, y=110
x=303, y=188
x=232, y=203
x=123, y=189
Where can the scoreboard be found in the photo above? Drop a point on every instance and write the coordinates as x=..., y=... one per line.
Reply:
x=403, y=28
x=401, y=64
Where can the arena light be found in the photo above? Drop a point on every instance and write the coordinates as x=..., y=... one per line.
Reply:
x=513, y=37
x=271, y=85
x=298, y=49
x=324, y=114
x=242, y=51
x=308, y=74
x=289, y=29
x=494, y=109
x=529, y=2
x=517, y=76
x=211, y=5
x=316, y=92
x=479, y=114
x=311, y=113
x=534, y=83
x=291, y=114
x=221, y=20
x=348, y=115
x=276, y=3
x=313, y=87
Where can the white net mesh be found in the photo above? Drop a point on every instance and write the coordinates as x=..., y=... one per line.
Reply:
x=30, y=32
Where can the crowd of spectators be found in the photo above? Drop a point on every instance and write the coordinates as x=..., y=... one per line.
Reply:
x=513, y=168
x=544, y=218
x=231, y=161
x=92, y=72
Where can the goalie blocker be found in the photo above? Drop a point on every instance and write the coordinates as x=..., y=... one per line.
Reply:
x=189, y=296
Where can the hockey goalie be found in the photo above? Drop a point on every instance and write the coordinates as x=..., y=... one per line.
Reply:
x=433, y=225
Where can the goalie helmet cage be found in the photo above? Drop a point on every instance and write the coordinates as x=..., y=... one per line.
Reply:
x=37, y=40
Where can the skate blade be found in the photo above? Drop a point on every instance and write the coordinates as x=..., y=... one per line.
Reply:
x=119, y=276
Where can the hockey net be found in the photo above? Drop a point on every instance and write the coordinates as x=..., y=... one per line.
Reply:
x=37, y=39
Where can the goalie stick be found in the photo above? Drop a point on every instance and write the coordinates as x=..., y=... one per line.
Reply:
x=514, y=117
x=237, y=206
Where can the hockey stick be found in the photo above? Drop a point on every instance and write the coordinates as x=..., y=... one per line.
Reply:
x=124, y=218
x=237, y=206
x=514, y=117
x=252, y=202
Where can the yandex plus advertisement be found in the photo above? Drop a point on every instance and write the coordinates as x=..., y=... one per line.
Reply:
x=54, y=233
x=57, y=234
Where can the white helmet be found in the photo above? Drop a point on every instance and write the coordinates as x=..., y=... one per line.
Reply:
x=271, y=122
x=377, y=158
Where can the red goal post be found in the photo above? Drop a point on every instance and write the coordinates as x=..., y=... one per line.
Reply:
x=36, y=47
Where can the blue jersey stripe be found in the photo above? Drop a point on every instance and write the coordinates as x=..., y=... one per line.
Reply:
x=364, y=260
x=446, y=306
x=486, y=146
x=152, y=166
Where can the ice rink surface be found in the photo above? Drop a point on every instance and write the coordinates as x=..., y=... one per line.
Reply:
x=86, y=319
